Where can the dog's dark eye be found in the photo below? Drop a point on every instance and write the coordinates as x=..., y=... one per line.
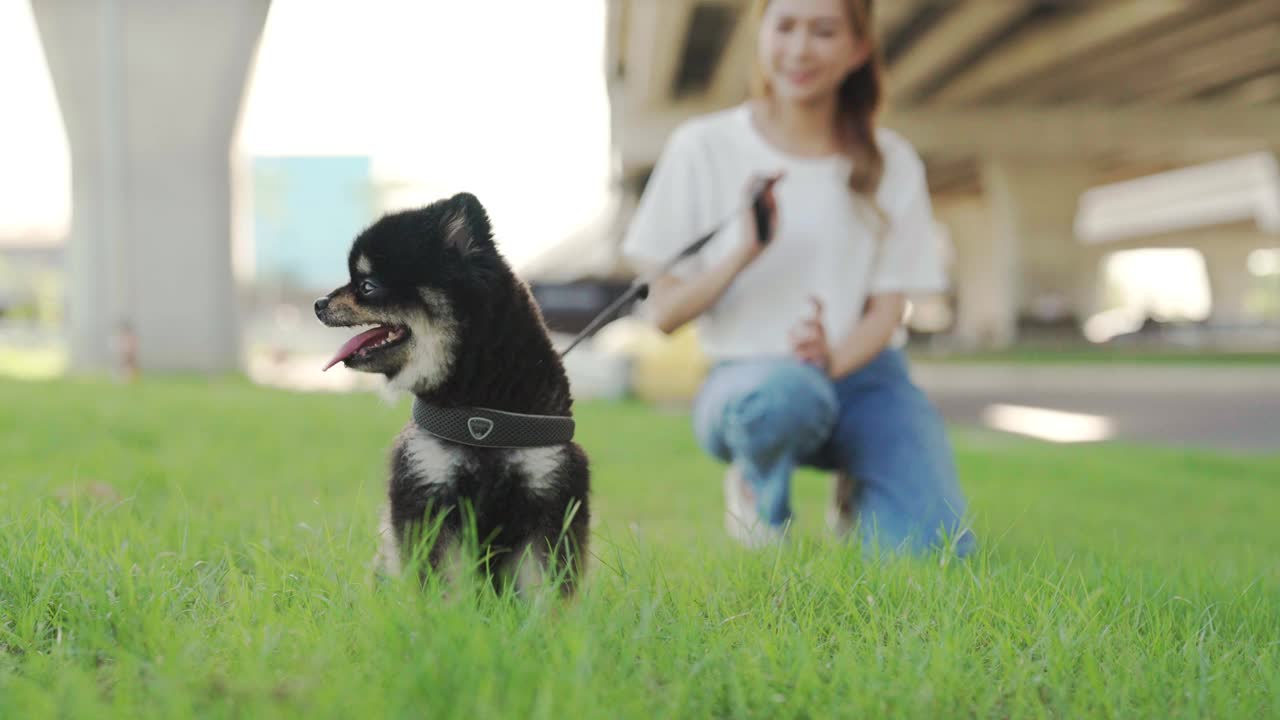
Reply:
x=368, y=287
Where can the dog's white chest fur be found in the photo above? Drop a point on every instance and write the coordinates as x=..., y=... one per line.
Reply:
x=436, y=462
x=536, y=464
x=431, y=460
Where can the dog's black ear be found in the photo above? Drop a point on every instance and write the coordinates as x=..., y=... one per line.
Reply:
x=466, y=224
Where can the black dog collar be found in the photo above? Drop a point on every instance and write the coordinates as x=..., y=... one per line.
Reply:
x=483, y=427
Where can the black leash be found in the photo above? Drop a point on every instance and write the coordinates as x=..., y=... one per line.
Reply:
x=640, y=286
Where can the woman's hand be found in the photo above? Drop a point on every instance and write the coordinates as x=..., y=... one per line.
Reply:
x=809, y=339
x=675, y=301
x=881, y=316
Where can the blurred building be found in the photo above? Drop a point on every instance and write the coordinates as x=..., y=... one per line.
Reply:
x=306, y=210
x=31, y=264
x=1055, y=134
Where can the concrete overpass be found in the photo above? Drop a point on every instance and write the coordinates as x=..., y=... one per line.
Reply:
x=1018, y=107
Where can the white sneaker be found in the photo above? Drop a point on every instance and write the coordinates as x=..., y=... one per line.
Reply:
x=741, y=519
x=841, y=508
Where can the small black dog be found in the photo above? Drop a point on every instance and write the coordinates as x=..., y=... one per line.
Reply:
x=456, y=327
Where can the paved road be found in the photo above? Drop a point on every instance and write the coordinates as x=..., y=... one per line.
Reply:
x=1221, y=409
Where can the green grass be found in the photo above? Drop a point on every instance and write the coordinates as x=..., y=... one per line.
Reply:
x=219, y=570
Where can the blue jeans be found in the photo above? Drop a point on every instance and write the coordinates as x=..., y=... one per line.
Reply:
x=770, y=416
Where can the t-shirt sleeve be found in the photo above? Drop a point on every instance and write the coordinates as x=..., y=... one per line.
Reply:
x=911, y=257
x=668, y=215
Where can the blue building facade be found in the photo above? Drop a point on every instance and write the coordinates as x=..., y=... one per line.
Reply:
x=306, y=210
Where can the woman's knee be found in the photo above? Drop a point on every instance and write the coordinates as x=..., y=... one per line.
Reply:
x=893, y=440
x=793, y=408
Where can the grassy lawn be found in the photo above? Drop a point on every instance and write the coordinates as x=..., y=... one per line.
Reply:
x=199, y=548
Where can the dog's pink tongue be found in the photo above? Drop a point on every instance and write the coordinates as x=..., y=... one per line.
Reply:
x=351, y=346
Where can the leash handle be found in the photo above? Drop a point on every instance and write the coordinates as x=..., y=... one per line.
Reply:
x=640, y=287
x=759, y=209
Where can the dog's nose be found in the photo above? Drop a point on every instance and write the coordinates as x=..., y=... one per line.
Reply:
x=321, y=304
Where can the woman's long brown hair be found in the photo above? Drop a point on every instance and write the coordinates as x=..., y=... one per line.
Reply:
x=858, y=100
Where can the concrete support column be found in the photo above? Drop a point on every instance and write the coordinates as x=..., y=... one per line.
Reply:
x=984, y=274
x=1033, y=206
x=1087, y=289
x=150, y=94
x=1226, y=264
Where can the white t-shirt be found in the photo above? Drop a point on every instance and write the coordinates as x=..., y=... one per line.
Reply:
x=824, y=241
